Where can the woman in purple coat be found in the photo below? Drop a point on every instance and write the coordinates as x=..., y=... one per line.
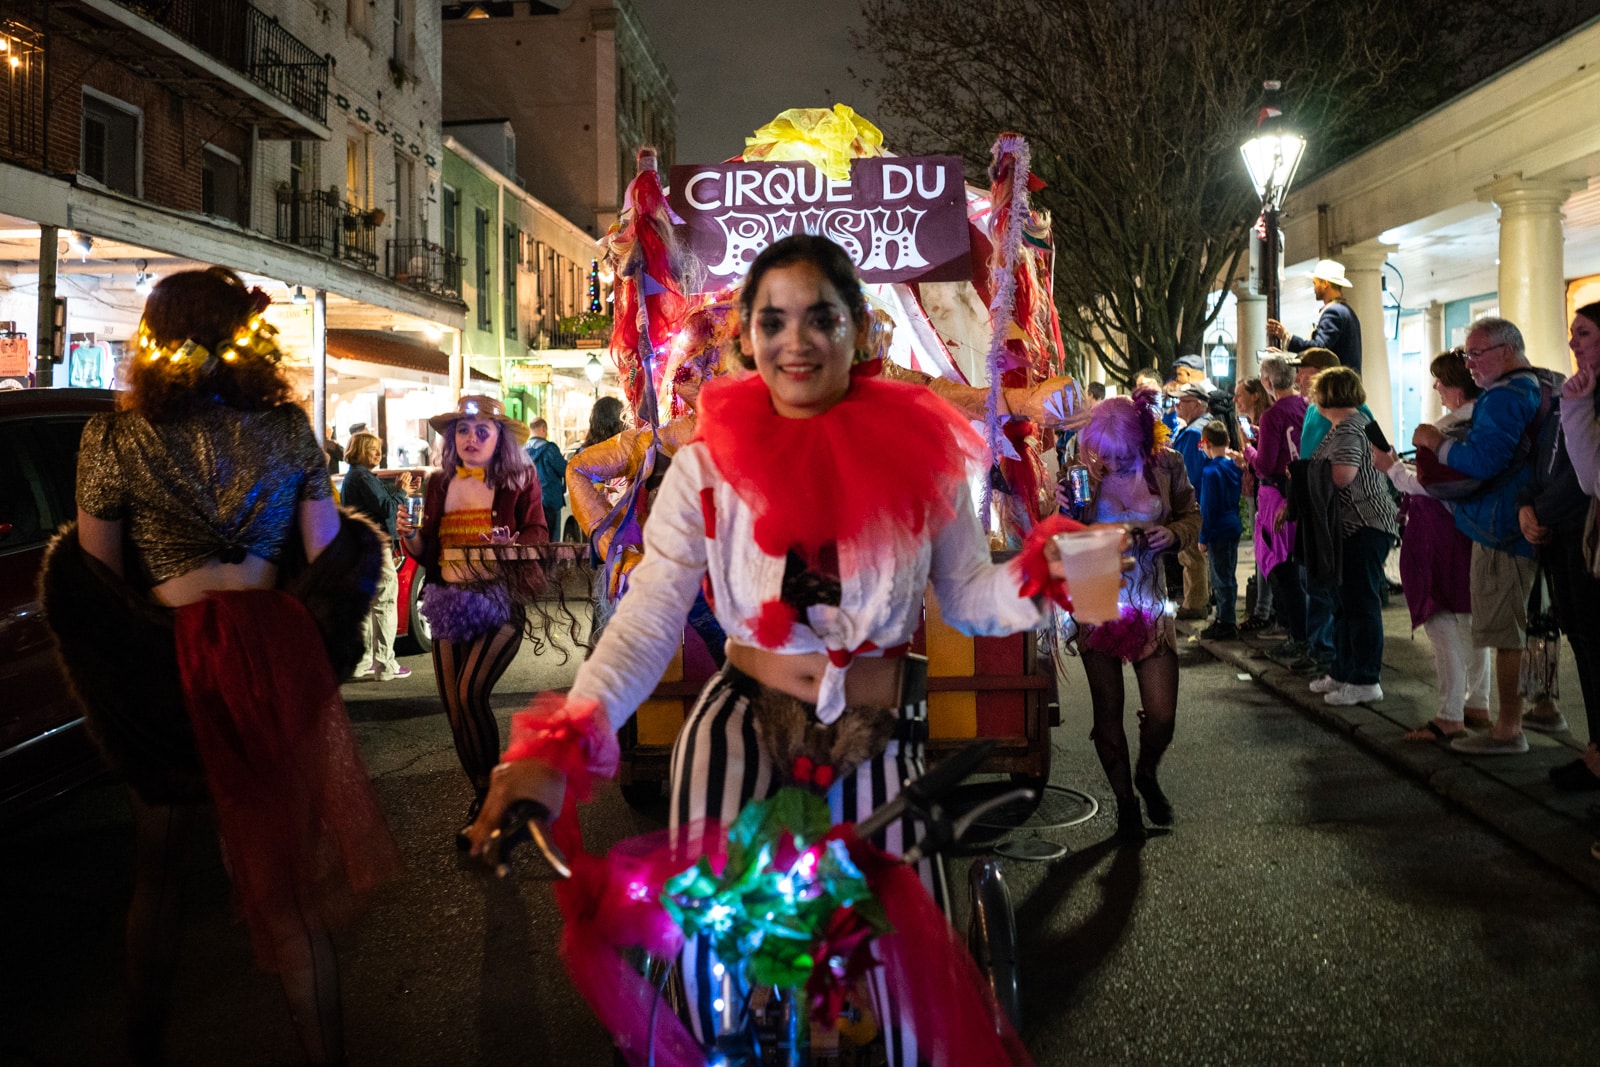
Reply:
x=1434, y=561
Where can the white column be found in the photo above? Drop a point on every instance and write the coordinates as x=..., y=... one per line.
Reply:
x=1363, y=265
x=319, y=363
x=1251, y=330
x=1533, y=283
x=1432, y=345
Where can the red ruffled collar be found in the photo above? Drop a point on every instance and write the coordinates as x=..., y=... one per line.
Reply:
x=877, y=468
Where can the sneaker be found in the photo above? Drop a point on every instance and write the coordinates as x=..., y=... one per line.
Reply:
x=1350, y=694
x=1487, y=744
x=1254, y=623
x=1289, y=649
x=366, y=672
x=1273, y=633
x=398, y=672
x=1546, y=724
x=1218, y=631
x=1311, y=665
x=1325, y=684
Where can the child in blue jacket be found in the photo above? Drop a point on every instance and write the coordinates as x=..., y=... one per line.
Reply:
x=1220, y=528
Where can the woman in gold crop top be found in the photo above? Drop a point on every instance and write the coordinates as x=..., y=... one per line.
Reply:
x=486, y=490
x=208, y=555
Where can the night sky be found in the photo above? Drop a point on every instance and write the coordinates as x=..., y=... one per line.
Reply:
x=737, y=63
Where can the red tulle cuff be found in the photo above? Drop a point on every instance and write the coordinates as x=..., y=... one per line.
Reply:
x=1034, y=569
x=573, y=736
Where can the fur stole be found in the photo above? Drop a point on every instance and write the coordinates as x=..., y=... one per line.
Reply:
x=117, y=650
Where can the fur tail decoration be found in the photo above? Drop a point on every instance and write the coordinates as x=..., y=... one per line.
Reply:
x=648, y=301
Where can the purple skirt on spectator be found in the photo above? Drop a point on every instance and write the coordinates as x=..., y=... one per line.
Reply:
x=1272, y=546
x=1435, y=560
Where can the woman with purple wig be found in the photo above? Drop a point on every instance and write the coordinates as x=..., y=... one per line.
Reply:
x=1136, y=480
x=486, y=490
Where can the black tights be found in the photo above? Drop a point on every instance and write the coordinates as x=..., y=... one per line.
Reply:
x=467, y=672
x=1157, y=676
x=307, y=967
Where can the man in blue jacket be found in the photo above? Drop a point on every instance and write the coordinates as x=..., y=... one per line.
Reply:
x=1498, y=450
x=552, y=469
x=1338, y=329
x=1220, y=528
x=1193, y=412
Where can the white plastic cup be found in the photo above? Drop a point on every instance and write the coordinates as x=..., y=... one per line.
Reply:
x=1092, y=560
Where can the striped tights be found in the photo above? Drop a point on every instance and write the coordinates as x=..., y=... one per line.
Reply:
x=718, y=766
x=466, y=672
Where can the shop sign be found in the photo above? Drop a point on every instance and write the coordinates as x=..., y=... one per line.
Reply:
x=527, y=375
x=901, y=219
x=14, y=357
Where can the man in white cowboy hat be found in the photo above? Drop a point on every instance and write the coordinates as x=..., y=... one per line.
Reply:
x=1338, y=329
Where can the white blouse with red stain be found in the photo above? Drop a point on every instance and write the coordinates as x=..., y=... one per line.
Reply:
x=699, y=526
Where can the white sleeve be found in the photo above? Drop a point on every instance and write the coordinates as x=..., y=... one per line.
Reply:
x=976, y=596
x=1405, y=479
x=647, y=629
x=1583, y=442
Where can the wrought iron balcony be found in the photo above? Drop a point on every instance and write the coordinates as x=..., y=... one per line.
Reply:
x=222, y=53
x=324, y=222
x=424, y=266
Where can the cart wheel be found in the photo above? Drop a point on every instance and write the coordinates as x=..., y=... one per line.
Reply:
x=420, y=633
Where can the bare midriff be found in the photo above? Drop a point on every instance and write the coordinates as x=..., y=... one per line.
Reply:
x=872, y=680
x=215, y=576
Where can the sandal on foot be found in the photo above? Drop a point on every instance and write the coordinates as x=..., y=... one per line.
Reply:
x=1477, y=718
x=1490, y=745
x=1432, y=731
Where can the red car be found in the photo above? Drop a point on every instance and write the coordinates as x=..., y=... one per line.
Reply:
x=44, y=746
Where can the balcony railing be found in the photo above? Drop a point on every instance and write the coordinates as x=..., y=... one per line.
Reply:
x=424, y=266
x=324, y=222
x=251, y=42
x=21, y=88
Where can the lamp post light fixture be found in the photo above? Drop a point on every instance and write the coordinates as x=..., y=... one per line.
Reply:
x=594, y=370
x=1272, y=156
x=299, y=296
x=1219, y=359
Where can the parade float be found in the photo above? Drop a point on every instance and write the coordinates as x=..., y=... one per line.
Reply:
x=959, y=281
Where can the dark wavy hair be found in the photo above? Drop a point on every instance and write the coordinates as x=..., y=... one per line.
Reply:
x=605, y=421
x=209, y=307
x=834, y=263
x=1591, y=312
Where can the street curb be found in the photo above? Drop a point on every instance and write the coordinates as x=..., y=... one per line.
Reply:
x=1510, y=793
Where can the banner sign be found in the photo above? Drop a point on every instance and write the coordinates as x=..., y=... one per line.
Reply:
x=901, y=219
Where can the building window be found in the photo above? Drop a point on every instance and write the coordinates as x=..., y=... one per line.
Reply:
x=402, y=32
x=508, y=267
x=480, y=234
x=111, y=148
x=222, y=185
x=356, y=17
x=355, y=172
x=450, y=206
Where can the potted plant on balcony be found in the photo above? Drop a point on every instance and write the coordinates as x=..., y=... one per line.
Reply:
x=588, y=330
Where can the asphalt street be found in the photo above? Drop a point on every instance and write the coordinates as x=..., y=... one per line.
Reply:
x=1311, y=906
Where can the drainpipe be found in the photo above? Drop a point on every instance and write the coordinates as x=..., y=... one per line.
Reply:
x=319, y=362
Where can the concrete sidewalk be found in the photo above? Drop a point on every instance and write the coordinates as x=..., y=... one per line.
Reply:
x=1510, y=793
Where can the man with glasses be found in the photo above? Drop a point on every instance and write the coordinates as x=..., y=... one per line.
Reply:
x=1497, y=450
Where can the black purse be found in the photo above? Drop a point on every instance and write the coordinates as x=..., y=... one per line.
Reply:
x=1541, y=658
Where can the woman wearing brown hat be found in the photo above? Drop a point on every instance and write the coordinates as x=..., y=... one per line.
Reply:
x=485, y=491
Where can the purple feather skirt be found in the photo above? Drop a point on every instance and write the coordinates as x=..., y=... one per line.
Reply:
x=458, y=614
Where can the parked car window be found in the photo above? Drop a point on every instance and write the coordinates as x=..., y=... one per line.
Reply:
x=25, y=512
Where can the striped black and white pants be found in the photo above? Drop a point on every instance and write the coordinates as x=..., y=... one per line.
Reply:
x=718, y=766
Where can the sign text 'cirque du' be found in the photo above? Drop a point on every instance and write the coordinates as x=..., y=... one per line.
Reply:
x=901, y=219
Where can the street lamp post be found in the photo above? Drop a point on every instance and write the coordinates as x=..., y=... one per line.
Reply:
x=1272, y=156
x=594, y=370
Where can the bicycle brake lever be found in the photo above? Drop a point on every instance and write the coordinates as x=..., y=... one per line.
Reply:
x=524, y=820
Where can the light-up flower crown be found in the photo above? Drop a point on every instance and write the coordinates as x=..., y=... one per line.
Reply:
x=257, y=340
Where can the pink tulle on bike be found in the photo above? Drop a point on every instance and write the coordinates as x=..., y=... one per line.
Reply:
x=927, y=967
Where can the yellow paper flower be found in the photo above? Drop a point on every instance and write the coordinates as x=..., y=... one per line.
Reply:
x=830, y=139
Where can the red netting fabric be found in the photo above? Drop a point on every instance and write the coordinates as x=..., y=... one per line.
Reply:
x=304, y=837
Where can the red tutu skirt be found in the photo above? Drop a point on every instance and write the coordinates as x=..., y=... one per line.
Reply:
x=303, y=835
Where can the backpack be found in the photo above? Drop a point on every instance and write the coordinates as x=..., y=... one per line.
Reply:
x=1446, y=483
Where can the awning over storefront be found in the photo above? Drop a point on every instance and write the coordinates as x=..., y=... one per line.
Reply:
x=392, y=350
